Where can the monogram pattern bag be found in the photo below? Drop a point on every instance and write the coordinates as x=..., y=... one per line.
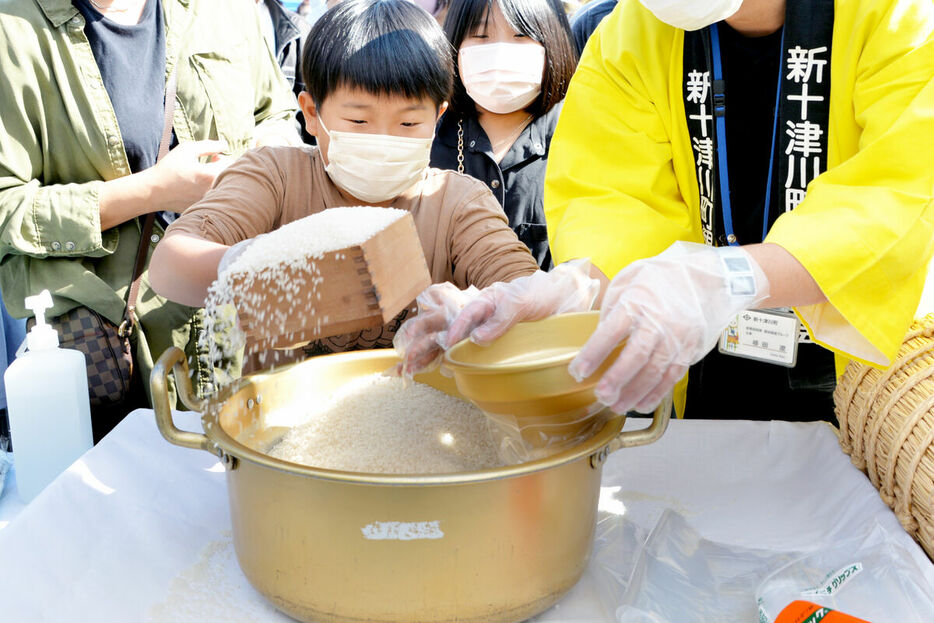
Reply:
x=109, y=356
x=107, y=348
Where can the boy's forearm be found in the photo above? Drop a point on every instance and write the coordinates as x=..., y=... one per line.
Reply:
x=183, y=268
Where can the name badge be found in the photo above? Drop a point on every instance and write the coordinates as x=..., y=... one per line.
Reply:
x=764, y=335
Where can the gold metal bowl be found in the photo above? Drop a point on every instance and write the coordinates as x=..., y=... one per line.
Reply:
x=495, y=545
x=523, y=376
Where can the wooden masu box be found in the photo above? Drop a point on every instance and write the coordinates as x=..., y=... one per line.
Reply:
x=345, y=291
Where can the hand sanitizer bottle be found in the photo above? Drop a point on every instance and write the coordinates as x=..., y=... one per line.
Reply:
x=47, y=400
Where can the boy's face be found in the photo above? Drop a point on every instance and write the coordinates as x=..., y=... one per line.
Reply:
x=361, y=112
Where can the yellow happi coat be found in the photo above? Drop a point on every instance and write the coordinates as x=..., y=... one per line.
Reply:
x=622, y=184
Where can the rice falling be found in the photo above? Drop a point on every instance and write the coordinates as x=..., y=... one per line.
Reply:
x=289, y=250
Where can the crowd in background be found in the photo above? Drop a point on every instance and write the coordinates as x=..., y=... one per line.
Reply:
x=117, y=165
x=143, y=142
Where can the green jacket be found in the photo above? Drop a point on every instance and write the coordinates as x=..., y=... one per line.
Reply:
x=59, y=140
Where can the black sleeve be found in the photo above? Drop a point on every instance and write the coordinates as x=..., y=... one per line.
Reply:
x=587, y=19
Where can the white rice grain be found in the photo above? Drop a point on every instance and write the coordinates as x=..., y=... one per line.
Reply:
x=313, y=236
x=375, y=424
x=282, y=265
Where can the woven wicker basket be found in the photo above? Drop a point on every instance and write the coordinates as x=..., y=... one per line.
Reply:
x=887, y=427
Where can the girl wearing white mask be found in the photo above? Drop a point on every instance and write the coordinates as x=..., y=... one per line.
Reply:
x=514, y=60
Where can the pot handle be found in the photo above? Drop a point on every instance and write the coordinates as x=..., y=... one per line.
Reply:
x=642, y=436
x=174, y=359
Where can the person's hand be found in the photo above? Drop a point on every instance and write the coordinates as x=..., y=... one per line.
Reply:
x=182, y=178
x=567, y=288
x=447, y=315
x=670, y=310
x=418, y=341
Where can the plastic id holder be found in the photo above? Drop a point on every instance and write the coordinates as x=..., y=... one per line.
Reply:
x=769, y=335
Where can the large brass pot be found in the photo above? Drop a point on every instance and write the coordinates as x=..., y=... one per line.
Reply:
x=494, y=545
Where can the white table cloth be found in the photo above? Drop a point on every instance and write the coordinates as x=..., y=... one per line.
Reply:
x=139, y=530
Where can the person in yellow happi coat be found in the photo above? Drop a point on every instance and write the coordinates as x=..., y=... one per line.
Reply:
x=716, y=159
x=629, y=176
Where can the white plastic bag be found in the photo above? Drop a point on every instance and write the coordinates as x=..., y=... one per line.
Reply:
x=872, y=578
x=680, y=577
x=617, y=541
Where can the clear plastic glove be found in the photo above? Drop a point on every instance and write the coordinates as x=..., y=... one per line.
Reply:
x=499, y=307
x=418, y=341
x=670, y=309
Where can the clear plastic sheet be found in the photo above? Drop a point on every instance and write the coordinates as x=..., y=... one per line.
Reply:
x=680, y=577
x=617, y=542
x=528, y=438
x=858, y=577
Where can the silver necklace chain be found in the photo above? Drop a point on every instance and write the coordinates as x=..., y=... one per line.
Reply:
x=460, y=145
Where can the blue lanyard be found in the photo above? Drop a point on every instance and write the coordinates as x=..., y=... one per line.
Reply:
x=719, y=107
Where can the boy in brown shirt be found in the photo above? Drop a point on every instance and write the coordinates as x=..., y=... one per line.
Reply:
x=378, y=74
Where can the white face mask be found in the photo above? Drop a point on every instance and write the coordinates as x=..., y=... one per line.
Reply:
x=375, y=167
x=692, y=14
x=502, y=77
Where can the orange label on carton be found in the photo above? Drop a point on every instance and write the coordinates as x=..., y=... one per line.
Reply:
x=807, y=612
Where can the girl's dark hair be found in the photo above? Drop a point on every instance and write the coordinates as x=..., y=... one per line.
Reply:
x=543, y=21
x=391, y=47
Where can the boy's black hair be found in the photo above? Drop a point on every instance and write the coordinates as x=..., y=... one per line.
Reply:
x=543, y=21
x=391, y=47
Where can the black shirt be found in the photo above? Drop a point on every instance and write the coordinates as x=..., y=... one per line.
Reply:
x=290, y=31
x=750, y=75
x=132, y=65
x=587, y=18
x=517, y=182
x=724, y=386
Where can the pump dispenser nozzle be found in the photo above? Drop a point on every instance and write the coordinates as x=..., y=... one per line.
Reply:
x=42, y=336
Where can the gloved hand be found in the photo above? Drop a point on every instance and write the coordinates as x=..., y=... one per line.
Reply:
x=567, y=288
x=670, y=309
x=418, y=341
x=447, y=315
